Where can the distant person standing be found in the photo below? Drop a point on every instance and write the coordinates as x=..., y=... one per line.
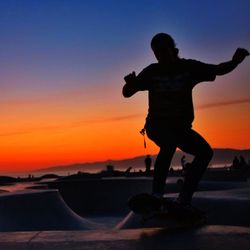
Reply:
x=148, y=163
x=183, y=165
x=169, y=83
x=242, y=162
x=236, y=163
x=183, y=162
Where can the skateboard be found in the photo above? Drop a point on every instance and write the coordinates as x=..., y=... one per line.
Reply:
x=165, y=212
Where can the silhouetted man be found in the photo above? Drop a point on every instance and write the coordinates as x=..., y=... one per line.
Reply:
x=170, y=115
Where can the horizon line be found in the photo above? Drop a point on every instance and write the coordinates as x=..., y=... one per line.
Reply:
x=107, y=160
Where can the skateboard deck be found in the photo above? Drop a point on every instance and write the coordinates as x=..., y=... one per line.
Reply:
x=165, y=212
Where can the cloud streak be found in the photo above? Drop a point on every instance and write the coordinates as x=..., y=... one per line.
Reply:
x=226, y=103
x=82, y=123
x=75, y=124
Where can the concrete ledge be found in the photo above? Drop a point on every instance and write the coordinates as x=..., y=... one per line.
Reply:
x=205, y=238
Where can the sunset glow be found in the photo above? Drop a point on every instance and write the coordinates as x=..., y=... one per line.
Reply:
x=62, y=65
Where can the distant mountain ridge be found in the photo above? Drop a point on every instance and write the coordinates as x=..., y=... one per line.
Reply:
x=221, y=156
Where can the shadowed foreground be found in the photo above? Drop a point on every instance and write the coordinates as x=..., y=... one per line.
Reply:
x=206, y=238
x=33, y=213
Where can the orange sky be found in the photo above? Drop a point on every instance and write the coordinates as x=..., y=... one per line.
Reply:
x=37, y=135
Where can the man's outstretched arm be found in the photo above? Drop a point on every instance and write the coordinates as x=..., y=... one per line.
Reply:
x=130, y=87
x=226, y=67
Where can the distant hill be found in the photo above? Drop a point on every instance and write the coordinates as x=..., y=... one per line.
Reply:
x=221, y=156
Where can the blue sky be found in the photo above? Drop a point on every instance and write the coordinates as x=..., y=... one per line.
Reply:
x=58, y=45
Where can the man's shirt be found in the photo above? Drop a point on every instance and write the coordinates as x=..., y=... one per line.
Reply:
x=170, y=89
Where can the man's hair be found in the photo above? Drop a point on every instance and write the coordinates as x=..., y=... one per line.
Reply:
x=162, y=39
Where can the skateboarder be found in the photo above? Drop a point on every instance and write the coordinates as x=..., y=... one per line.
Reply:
x=169, y=83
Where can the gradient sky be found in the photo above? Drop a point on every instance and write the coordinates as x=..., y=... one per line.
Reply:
x=62, y=64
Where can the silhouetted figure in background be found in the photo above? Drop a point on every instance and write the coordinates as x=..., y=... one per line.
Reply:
x=171, y=171
x=236, y=163
x=170, y=115
x=183, y=164
x=183, y=161
x=242, y=163
x=148, y=163
x=128, y=171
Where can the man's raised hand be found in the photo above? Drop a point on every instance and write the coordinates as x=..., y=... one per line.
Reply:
x=239, y=55
x=130, y=78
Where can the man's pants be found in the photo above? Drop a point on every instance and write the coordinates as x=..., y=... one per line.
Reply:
x=189, y=141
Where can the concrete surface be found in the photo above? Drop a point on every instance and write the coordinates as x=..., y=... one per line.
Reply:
x=46, y=210
x=38, y=210
x=205, y=238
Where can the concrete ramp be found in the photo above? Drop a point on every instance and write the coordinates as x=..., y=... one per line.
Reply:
x=220, y=211
x=38, y=210
x=110, y=195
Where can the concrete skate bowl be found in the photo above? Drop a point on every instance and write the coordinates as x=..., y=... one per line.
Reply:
x=38, y=210
x=220, y=211
x=102, y=195
x=110, y=195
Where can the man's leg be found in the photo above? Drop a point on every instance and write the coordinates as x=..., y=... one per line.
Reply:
x=165, y=139
x=161, y=168
x=192, y=143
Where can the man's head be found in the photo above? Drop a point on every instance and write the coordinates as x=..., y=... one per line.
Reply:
x=164, y=48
